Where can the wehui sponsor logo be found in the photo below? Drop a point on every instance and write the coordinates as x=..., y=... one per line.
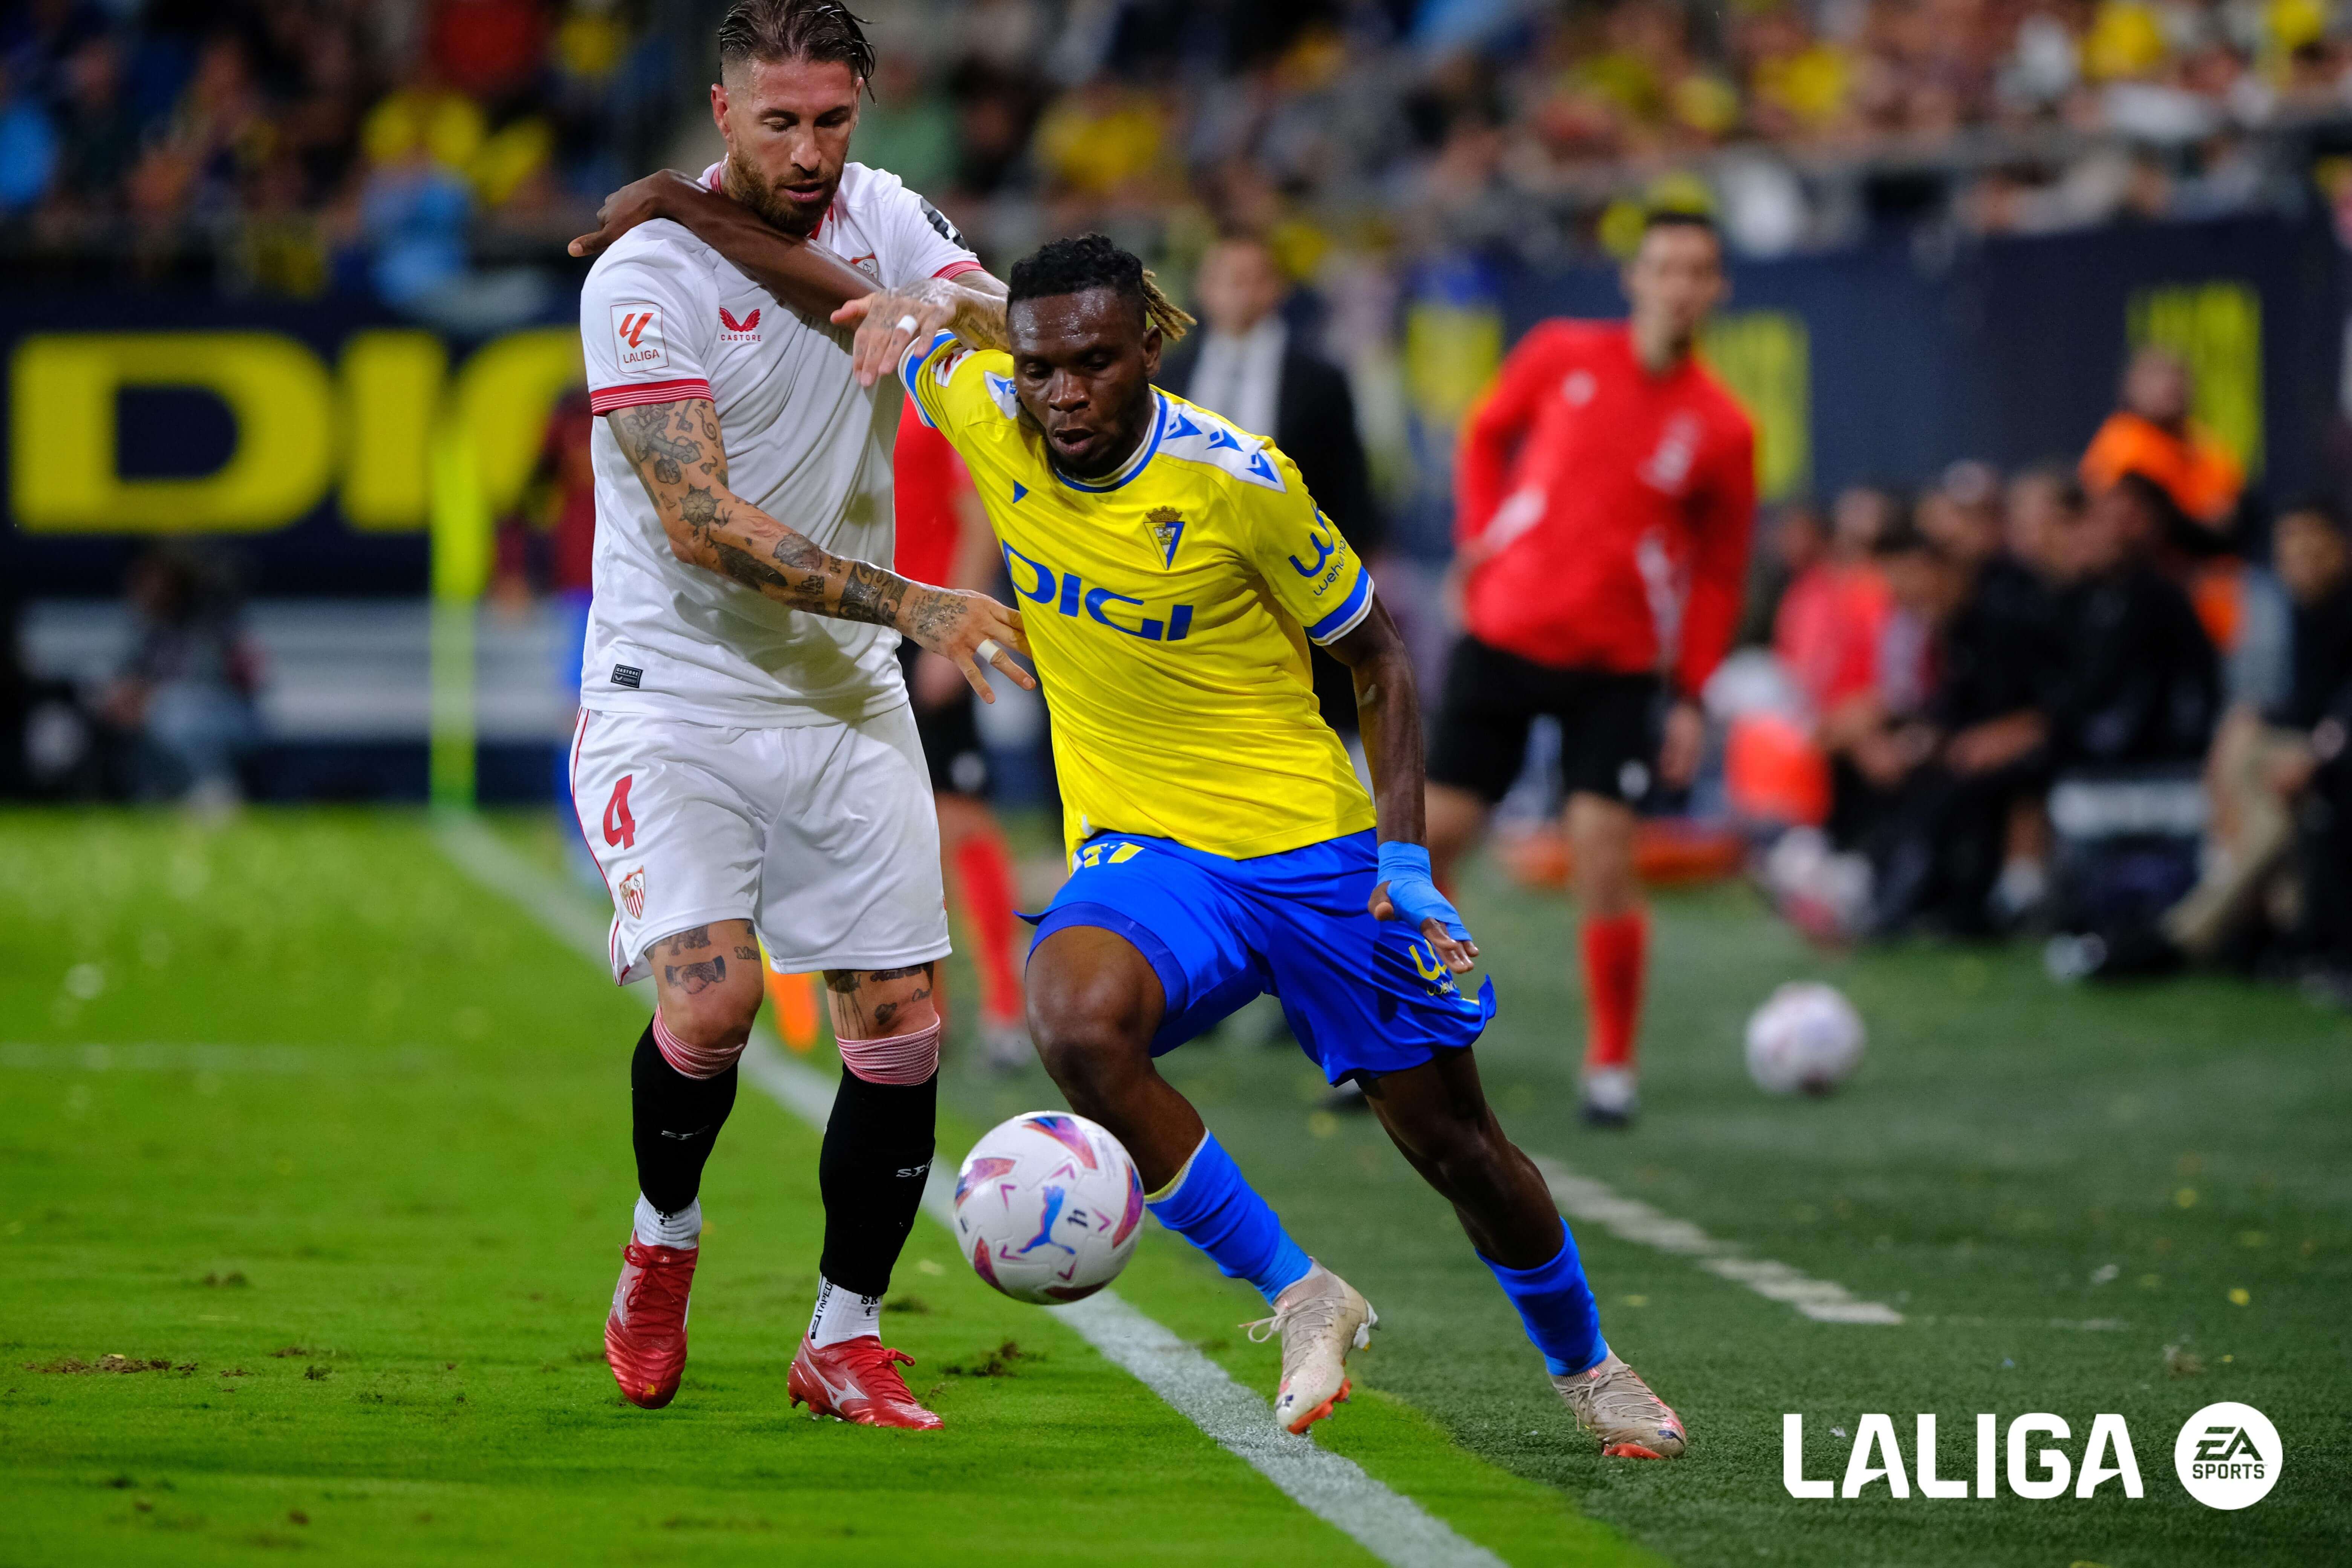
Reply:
x=637, y=337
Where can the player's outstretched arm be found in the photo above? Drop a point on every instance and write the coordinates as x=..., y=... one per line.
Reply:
x=1388, y=713
x=809, y=278
x=679, y=459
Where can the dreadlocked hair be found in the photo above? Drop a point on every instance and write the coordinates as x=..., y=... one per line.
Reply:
x=825, y=31
x=1091, y=261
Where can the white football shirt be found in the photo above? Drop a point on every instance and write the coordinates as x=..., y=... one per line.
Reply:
x=664, y=317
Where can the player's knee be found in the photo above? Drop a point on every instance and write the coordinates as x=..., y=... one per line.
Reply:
x=1087, y=1038
x=1469, y=1161
x=910, y=1055
x=702, y=1036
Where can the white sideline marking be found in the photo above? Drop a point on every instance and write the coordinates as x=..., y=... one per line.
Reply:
x=155, y=1057
x=1391, y=1527
x=1629, y=1219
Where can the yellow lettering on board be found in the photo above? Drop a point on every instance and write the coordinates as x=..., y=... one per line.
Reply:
x=1765, y=358
x=392, y=391
x=63, y=473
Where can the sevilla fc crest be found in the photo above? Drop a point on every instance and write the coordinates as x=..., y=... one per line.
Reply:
x=633, y=893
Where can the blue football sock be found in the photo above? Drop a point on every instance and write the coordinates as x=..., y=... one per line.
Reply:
x=1210, y=1205
x=1556, y=1305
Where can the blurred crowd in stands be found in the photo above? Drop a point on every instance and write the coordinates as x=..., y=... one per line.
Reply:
x=1543, y=126
x=2103, y=699
x=431, y=150
x=298, y=146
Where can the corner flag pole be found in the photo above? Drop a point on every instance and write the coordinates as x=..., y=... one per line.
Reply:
x=460, y=536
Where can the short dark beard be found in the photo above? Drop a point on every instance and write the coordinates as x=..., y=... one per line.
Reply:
x=773, y=210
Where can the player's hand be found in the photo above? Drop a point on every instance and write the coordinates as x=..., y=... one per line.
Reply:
x=1678, y=750
x=890, y=320
x=968, y=630
x=1407, y=891
x=639, y=201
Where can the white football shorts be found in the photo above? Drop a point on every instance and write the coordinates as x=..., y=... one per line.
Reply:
x=822, y=836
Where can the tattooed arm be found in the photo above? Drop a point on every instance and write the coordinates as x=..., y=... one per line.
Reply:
x=682, y=463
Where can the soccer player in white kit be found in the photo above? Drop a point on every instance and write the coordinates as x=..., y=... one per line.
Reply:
x=746, y=765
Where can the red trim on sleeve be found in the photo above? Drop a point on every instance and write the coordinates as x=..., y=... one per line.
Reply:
x=958, y=268
x=604, y=399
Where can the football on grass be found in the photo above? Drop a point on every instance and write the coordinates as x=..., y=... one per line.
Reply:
x=1807, y=1037
x=1047, y=1207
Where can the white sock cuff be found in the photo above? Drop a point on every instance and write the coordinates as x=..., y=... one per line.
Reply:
x=843, y=1314
x=682, y=1230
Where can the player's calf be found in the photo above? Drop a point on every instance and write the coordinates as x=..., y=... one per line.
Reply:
x=1438, y=1118
x=871, y=1171
x=682, y=1082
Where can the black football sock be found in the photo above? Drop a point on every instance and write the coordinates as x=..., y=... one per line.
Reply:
x=877, y=1155
x=676, y=1121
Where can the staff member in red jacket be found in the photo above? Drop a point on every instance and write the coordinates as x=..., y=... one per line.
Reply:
x=1605, y=492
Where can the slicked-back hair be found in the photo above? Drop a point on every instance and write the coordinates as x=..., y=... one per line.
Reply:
x=1092, y=261
x=822, y=30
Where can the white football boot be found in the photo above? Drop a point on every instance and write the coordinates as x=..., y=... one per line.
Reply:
x=1320, y=1318
x=1611, y=1401
x=1611, y=1097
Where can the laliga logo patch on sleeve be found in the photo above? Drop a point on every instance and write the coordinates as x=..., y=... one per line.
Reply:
x=637, y=337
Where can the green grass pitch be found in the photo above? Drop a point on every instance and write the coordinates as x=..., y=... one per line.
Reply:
x=356, y=1172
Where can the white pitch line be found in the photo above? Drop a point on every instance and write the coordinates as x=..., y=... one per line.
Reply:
x=149, y=1055
x=1393, y=1528
x=1630, y=1219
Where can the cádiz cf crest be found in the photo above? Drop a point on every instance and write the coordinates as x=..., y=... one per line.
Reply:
x=1168, y=529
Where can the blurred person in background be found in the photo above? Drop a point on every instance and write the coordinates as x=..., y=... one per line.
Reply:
x=1249, y=366
x=1606, y=487
x=2139, y=680
x=2151, y=434
x=2041, y=506
x=1967, y=762
x=1997, y=660
x=2264, y=764
x=945, y=537
x=1826, y=632
x=548, y=548
x=184, y=699
x=48, y=747
x=28, y=147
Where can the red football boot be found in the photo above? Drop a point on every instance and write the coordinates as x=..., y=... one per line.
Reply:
x=645, y=1338
x=856, y=1380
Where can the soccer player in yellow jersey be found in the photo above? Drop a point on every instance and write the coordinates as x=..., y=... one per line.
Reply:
x=1170, y=570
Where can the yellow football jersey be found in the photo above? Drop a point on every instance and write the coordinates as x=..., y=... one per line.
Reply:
x=1169, y=607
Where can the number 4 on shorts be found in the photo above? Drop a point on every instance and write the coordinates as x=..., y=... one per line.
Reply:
x=620, y=827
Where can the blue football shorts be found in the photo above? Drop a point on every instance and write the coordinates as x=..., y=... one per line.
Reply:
x=1363, y=996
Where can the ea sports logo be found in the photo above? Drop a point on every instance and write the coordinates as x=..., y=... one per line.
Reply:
x=2228, y=1455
